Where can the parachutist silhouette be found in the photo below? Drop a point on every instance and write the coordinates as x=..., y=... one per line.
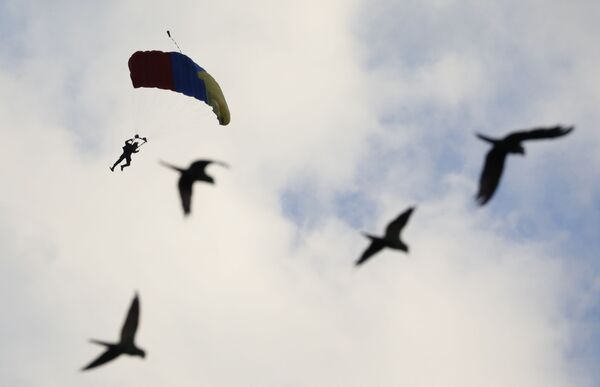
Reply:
x=195, y=172
x=127, y=343
x=391, y=238
x=494, y=160
x=129, y=148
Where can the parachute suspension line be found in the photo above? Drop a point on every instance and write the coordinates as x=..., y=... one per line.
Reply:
x=169, y=34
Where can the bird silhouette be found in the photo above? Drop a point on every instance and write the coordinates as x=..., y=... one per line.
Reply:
x=195, y=172
x=391, y=238
x=127, y=343
x=494, y=161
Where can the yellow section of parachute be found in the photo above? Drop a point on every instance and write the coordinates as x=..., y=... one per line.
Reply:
x=215, y=96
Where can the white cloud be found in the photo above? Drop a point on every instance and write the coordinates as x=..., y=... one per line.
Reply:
x=239, y=294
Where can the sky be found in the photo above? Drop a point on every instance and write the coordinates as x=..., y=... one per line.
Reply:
x=343, y=114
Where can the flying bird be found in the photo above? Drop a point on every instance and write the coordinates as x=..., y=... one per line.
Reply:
x=494, y=161
x=195, y=172
x=391, y=238
x=127, y=343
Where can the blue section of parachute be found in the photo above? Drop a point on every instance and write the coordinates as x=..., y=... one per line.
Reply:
x=186, y=77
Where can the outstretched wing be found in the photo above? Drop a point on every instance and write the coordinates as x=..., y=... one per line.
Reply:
x=198, y=167
x=172, y=167
x=374, y=248
x=490, y=176
x=393, y=229
x=540, y=133
x=184, y=185
x=131, y=322
x=105, y=357
x=185, y=193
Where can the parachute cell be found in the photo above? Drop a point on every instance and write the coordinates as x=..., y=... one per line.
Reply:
x=177, y=72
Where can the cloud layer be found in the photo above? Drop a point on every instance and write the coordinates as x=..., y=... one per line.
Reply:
x=343, y=115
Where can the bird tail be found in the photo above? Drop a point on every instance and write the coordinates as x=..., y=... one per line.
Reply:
x=486, y=139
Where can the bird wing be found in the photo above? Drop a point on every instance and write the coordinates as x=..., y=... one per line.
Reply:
x=539, y=133
x=486, y=138
x=198, y=167
x=105, y=357
x=172, y=166
x=490, y=176
x=374, y=248
x=131, y=322
x=185, y=192
x=393, y=229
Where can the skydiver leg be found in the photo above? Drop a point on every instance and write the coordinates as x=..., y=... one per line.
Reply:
x=128, y=163
x=117, y=162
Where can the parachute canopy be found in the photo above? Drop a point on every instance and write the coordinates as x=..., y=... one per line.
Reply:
x=177, y=72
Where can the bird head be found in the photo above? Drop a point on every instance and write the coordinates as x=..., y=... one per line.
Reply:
x=521, y=150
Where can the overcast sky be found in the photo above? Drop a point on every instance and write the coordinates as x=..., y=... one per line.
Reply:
x=343, y=114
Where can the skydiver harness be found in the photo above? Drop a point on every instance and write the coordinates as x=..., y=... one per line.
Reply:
x=129, y=146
